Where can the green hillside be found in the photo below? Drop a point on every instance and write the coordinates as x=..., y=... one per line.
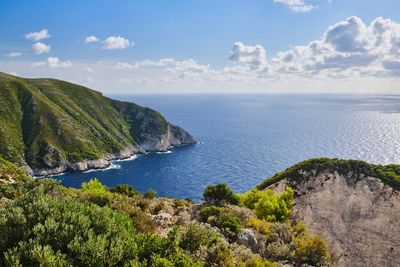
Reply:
x=46, y=121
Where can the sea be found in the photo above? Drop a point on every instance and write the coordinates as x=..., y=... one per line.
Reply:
x=244, y=139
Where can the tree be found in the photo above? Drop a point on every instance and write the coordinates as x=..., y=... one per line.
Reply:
x=150, y=194
x=220, y=194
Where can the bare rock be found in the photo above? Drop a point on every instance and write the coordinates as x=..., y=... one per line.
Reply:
x=248, y=239
x=358, y=216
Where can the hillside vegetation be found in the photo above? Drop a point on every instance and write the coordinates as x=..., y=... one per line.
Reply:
x=46, y=121
x=45, y=224
x=388, y=174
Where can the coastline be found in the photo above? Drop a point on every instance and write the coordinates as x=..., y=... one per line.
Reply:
x=129, y=153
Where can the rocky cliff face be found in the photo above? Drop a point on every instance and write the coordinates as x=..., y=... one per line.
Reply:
x=358, y=215
x=174, y=136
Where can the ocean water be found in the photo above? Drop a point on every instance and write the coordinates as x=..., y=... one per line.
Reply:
x=246, y=138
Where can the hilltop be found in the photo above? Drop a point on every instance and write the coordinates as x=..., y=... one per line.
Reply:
x=50, y=126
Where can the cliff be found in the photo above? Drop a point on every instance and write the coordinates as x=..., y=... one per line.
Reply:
x=50, y=126
x=353, y=205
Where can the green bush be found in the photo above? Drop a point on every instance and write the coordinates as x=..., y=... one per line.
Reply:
x=96, y=192
x=150, y=194
x=268, y=205
x=126, y=190
x=39, y=229
x=221, y=218
x=311, y=250
x=220, y=194
x=64, y=231
x=194, y=236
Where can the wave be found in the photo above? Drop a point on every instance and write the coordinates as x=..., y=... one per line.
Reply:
x=164, y=152
x=127, y=159
x=111, y=167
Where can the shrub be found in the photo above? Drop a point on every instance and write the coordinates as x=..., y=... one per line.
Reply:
x=180, y=203
x=141, y=220
x=39, y=229
x=219, y=255
x=221, y=218
x=261, y=226
x=269, y=205
x=126, y=190
x=220, y=194
x=96, y=192
x=150, y=194
x=310, y=250
x=195, y=235
x=258, y=262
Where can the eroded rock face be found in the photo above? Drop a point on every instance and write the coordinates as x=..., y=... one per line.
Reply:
x=358, y=216
x=174, y=136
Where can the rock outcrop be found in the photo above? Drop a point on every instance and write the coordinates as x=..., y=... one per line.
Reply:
x=357, y=215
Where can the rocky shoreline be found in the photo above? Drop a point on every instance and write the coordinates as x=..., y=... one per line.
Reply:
x=175, y=136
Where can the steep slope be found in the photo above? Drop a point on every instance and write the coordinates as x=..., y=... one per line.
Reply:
x=53, y=126
x=353, y=205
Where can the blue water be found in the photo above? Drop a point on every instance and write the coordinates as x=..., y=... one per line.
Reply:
x=247, y=138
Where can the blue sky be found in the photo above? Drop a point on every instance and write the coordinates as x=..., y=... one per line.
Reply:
x=204, y=46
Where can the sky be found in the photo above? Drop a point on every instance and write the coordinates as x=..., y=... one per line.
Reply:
x=206, y=46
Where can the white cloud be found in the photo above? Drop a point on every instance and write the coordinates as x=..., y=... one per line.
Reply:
x=348, y=36
x=37, y=36
x=349, y=54
x=14, y=54
x=53, y=62
x=254, y=56
x=91, y=39
x=116, y=42
x=40, y=48
x=348, y=48
x=299, y=6
x=123, y=65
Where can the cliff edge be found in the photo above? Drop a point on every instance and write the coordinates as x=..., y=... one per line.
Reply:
x=353, y=205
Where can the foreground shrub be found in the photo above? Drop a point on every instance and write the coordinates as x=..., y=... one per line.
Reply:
x=38, y=229
x=41, y=229
x=220, y=194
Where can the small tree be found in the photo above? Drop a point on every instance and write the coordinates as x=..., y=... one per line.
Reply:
x=150, y=194
x=220, y=194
